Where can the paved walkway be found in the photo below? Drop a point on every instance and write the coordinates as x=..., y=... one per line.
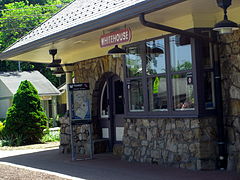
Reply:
x=104, y=167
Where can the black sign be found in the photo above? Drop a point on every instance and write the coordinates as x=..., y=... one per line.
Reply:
x=78, y=86
x=189, y=79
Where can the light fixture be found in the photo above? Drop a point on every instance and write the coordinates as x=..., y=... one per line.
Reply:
x=116, y=51
x=153, y=50
x=157, y=50
x=225, y=26
x=55, y=62
x=59, y=72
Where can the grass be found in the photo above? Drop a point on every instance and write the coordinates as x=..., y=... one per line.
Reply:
x=52, y=136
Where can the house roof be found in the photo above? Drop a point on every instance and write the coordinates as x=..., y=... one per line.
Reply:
x=44, y=87
x=82, y=16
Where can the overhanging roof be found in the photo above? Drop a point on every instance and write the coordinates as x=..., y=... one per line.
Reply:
x=44, y=87
x=83, y=16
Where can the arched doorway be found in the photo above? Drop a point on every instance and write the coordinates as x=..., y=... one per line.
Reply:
x=111, y=110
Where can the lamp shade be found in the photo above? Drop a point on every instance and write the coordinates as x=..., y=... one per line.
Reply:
x=59, y=72
x=54, y=64
x=157, y=50
x=225, y=26
x=116, y=50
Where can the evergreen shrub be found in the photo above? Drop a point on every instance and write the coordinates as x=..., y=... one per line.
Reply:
x=26, y=119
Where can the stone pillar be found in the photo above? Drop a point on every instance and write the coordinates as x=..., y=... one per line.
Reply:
x=230, y=67
x=65, y=137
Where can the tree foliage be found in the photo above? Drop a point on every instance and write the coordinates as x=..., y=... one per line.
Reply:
x=25, y=118
x=17, y=18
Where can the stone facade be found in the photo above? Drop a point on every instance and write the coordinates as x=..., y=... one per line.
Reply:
x=230, y=63
x=185, y=143
x=81, y=137
x=94, y=71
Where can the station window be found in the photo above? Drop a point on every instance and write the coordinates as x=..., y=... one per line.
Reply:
x=160, y=77
x=181, y=73
x=156, y=75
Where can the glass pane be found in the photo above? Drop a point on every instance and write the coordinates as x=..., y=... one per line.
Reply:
x=183, y=95
x=104, y=101
x=209, y=90
x=158, y=93
x=135, y=90
x=206, y=52
x=118, y=89
x=180, y=52
x=133, y=62
x=155, y=56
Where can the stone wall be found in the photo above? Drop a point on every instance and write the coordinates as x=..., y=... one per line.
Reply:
x=184, y=143
x=230, y=64
x=94, y=71
x=81, y=137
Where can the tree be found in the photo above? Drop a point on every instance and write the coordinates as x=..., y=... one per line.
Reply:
x=17, y=19
x=26, y=119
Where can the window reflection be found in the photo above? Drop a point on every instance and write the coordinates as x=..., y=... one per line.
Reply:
x=206, y=52
x=136, y=95
x=183, y=96
x=180, y=52
x=133, y=62
x=155, y=57
x=158, y=93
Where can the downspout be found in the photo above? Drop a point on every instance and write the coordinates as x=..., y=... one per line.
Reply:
x=223, y=155
x=217, y=79
x=173, y=30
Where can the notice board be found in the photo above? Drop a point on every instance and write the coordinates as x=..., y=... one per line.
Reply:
x=80, y=103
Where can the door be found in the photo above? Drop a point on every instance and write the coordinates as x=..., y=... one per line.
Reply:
x=112, y=111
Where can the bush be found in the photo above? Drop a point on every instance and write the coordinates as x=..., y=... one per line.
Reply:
x=1, y=130
x=2, y=119
x=25, y=118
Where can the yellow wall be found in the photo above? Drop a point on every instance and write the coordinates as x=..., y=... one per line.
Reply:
x=62, y=98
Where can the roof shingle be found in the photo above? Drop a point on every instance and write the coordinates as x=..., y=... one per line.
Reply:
x=76, y=13
x=44, y=87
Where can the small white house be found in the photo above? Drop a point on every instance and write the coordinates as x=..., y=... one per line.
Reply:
x=10, y=81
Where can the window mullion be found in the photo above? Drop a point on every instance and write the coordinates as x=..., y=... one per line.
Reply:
x=168, y=76
x=197, y=76
x=144, y=78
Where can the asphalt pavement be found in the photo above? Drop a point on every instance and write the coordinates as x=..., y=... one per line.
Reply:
x=103, y=167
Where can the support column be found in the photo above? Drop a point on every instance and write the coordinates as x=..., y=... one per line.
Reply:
x=68, y=81
x=68, y=69
x=54, y=110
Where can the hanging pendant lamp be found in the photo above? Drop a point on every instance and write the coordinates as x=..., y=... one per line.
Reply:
x=225, y=26
x=116, y=51
x=59, y=72
x=55, y=62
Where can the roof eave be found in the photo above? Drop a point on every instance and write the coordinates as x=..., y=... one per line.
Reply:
x=111, y=19
x=50, y=94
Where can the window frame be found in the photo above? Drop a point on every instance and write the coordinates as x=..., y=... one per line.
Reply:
x=197, y=69
x=201, y=69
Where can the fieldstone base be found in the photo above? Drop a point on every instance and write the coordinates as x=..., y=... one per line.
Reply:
x=184, y=143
